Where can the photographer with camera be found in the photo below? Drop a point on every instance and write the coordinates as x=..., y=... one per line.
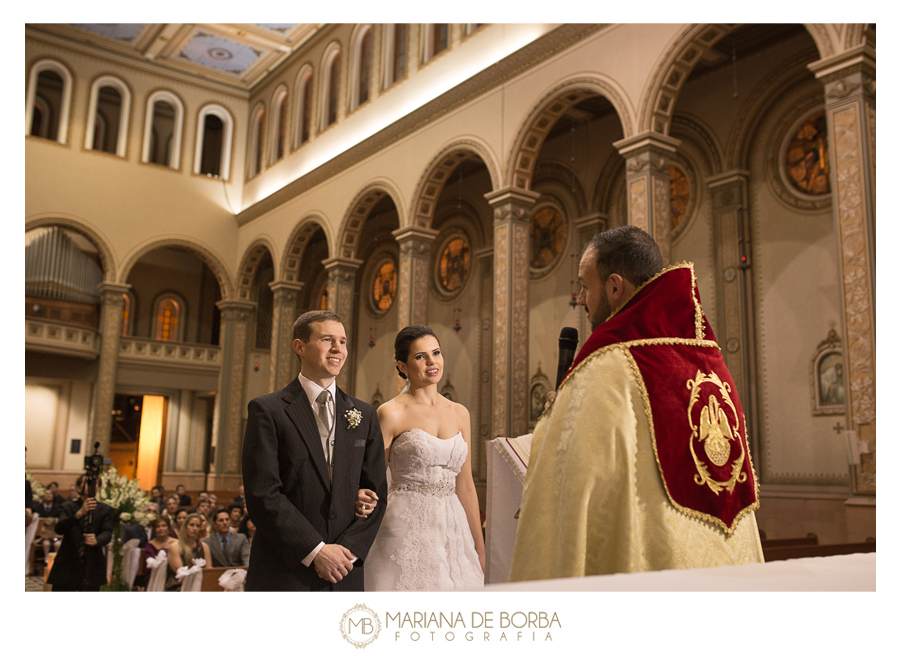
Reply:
x=86, y=527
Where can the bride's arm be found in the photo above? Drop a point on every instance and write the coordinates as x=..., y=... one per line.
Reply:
x=465, y=486
x=366, y=500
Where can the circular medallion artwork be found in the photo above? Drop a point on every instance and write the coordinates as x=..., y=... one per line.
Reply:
x=384, y=287
x=548, y=236
x=219, y=53
x=806, y=160
x=679, y=195
x=455, y=264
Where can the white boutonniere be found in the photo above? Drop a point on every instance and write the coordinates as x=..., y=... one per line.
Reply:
x=353, y=417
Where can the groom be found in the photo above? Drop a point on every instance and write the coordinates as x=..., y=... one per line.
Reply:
x=308, y=449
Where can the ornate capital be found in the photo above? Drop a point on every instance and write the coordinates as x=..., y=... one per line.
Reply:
x=728, y=188
x=649, y=143
x=111, y=294
x=233, y=310
x=415, y=240
x=344, y=268
x=512, y=204
x=285, y=292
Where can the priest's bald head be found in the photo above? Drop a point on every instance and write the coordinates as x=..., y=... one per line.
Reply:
x=614, y=263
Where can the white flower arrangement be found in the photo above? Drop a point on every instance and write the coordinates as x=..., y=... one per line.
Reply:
x=37, y=489
x=126, y=498
x=353, y=417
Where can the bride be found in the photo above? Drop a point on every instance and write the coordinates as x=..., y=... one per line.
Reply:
x=430, y=538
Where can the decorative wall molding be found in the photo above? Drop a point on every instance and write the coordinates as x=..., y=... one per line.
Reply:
x=169, y=355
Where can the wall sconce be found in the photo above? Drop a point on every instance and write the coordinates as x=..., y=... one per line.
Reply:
x=456, y=325
x=255, y=367
x=371, y=337
x=574, y=301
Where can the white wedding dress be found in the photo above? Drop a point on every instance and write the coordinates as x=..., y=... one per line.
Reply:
x=424, y=542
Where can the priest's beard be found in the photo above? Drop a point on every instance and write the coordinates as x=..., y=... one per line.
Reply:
x=602, y=312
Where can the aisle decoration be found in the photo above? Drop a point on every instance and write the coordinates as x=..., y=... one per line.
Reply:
x=127, y=501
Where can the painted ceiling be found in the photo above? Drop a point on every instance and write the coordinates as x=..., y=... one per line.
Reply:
x=238, y=55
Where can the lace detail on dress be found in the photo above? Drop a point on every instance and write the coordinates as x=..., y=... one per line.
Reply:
x=433, y=552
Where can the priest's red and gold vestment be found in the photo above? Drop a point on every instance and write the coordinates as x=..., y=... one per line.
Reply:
x=642, y=461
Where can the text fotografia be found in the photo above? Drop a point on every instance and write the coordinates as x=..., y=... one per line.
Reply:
x=479, y=626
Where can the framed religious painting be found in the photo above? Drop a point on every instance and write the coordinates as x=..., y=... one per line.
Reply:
x=827, y=378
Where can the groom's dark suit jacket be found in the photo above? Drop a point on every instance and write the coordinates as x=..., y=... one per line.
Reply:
x=290, y=498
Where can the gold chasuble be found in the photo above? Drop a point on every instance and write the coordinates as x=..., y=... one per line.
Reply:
x=641, y=463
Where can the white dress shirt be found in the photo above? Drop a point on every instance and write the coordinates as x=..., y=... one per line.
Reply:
x=312, y=391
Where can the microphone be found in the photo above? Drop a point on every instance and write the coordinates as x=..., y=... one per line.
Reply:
x=568, y=342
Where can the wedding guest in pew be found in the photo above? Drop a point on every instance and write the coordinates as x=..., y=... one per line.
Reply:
x=227, y=549
x=240, y=498
x=47, y=507
x=170, y=511
x=162, y=541
x=180, y=517
x=190, y=545
x=183, y=499
x=235, y=514
x=54, y=488
x=247, y=528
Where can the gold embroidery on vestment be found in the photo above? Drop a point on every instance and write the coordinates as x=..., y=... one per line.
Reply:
x=715, y=433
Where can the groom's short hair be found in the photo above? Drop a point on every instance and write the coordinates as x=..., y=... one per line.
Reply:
x=303, y=324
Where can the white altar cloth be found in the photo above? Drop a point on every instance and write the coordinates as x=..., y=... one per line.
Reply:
x=838, y=573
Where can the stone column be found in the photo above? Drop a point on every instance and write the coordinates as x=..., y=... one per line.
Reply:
x=482, y=416
x=648, y=186
x=228, y=412
x=849, y=80
x=284, y=362
x=512, y=213
x=415, y=245
x=341, y=293
x=731, y=226
x=111, y=305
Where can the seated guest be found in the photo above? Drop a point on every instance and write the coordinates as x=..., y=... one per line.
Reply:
x=73, y=494
x=47, y=507
x=239, y=499
x=171, y=509
x=200, y=498
x=203, y=507
x=247, y=528
x=226, y=548
x=190, y=547
x=180, y=517
x=235, y=513
x=213, y=501
x=54, y=487
x=183, y=499
x=162, y=541
x=156, y=496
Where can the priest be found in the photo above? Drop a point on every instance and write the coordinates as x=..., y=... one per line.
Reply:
x=641, y=462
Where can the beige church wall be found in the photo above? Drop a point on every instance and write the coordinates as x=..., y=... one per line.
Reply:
x=695, y=242
x=131, y=202
x=42, y=423
x=373, y=366
x=55, y=412
x=256, y=379
x=797, y=298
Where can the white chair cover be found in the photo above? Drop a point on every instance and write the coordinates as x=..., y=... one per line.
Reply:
x=157, y=566
x=30, y=533
x=191, y=577
x=233, y=580
x=131, y=560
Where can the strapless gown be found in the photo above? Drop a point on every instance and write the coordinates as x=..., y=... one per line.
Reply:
x=424, y=542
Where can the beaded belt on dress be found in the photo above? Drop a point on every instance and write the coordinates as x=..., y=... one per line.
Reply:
x=440, y=489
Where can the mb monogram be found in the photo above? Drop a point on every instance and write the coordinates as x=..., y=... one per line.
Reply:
x=360, y=625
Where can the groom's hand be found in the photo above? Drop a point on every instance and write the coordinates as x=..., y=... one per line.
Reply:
x=333, y=562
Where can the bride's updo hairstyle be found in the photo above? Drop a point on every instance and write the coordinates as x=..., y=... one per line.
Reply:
x=406, y=337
